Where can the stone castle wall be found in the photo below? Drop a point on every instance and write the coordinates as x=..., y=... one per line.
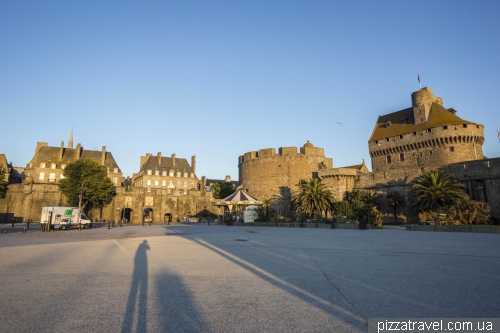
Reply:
x=481, y=178
x=25, y=201
x=265, y=173
x=434, y=146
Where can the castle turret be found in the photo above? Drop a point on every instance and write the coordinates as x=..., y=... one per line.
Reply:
x=421, y=102
x=70, y=142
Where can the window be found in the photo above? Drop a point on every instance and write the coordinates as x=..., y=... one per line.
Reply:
x=414, y=133
x=43, y=165
x=149, y=190
x=465, y=125
x=376, y=142
x=148, y=182
x=192, y=185
x=157, y=182
x=185, y=184
x=52, y=177
x=404, y=121
x=428, y=130
x=171, y=184
x=63, y=166
x=388, y=159
x=192, y=175
x=164, y=173
x=163, y=182
x=53, y=166
x=157, y=172
x=42, y=175
x=115, y=170
x=452, y=149
x=178, y=184
x=150, y=172
x=61, y=177
x=401, y=157
x=115, y=180
x=445, y=127
x=178, y=173
x=400, y=136
x=430, y=152
x=171, y=173
x=387, y=139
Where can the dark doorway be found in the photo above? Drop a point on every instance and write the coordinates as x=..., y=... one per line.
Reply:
x=126, y=214
x=147, y=215
x=167, y=217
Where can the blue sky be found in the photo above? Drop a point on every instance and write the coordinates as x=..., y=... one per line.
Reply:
x=220, y=78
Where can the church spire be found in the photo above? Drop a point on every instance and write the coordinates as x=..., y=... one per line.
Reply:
x=70, y=143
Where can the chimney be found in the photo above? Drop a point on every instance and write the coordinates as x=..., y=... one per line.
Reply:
x=40, y=145
x=173, y=159
x=144, y=159
x=159, y=158
x=103, y=155
x=227, y=179
x=193, y=163
x=78, y=150
x=61, y=151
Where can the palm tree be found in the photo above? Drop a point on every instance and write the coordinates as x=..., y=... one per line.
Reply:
x=312, y=197
x=394, y=199
x=435, y=190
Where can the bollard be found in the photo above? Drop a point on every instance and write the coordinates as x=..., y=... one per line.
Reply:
x=143, y=223
x=113, y=223
x=109, y=225
x=12, y=224
x=121, y=224
x=90, y=225
x=150, y=223
x=28, y=224
x=79, y=226
x=24, y=230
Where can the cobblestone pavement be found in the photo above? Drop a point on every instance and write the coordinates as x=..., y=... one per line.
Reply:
x=200, y=278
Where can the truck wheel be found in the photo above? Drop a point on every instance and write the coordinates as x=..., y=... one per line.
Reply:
x=63, y=227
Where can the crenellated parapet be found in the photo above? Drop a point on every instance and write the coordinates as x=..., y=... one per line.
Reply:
x=262, y=173
x=425, y=135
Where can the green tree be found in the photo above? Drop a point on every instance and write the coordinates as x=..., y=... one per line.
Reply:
x=222, y=189
x=312, y=197
x=469, y=212
x=88, y=178
x=395, y=199
x=342, y=208
x=3, y=182
x=433, y=191
x=265, y=210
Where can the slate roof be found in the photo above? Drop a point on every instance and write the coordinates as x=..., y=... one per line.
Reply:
x=51, y=155
x=438, y=116
x=181, y=164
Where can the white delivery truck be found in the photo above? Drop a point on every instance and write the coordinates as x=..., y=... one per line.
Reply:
x=64, y=217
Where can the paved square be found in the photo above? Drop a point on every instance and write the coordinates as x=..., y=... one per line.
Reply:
x=200, y=278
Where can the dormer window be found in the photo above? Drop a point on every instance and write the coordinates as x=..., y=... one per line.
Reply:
x=388, y=124
x=115, y=170
x=150, y=172
x=157, y=172
x=192, y=174
x=171, y=173
x=53, y=166
x=43, y=165
x=404, y=121
x=178, y=173
x=164, y=173
x=185, y=174
x=63, y=166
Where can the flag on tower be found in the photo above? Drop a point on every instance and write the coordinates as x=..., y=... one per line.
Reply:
x=418, y=76
x=498, y=130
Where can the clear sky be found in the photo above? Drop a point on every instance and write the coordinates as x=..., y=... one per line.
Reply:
x=220, y=78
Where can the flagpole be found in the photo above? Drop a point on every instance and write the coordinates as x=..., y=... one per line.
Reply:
x=474, y=144
x=498, y=131
x=419, y=82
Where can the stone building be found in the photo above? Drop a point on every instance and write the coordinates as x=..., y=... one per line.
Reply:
x=159, y=172
x=265, y=173
x=48, y=163
x=424, y=135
